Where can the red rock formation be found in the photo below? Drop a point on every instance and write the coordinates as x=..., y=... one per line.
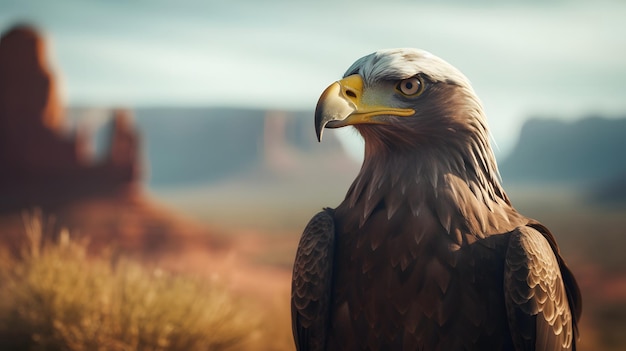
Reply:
x=123, y=153
x=39, y=165
x=278, y=155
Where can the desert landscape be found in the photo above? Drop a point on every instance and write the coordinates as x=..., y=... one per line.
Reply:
x=173, y=228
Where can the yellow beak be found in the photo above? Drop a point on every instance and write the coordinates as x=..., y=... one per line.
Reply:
x=341, y=105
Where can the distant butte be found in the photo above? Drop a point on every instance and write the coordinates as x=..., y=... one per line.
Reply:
x=50, y=174
x=40, y=164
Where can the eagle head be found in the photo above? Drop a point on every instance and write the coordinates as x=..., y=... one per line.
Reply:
x=403, y=99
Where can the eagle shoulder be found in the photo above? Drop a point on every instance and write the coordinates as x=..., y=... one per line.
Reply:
x=311, y=282
x=537, y=300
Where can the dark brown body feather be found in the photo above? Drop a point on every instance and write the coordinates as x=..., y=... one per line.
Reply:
x=426, y=251
x=415, y=291
x=402, y=284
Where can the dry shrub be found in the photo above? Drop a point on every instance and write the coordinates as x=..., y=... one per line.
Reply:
x=55, y=297
x=276, y=326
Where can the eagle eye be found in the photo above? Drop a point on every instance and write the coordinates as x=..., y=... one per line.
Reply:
x=411, y=87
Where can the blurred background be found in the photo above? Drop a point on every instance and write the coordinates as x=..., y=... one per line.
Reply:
x=180, y=134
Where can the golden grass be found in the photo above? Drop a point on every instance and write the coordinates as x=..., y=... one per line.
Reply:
x=55, y=297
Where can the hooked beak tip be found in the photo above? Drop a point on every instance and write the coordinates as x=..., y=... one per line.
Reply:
x=330, y=106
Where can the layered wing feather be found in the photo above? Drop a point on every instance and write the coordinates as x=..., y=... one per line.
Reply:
x=311, y=283
x=538, y=305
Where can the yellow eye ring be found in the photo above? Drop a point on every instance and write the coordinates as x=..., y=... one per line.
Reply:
x=411, y=86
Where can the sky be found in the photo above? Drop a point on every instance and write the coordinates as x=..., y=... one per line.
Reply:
x=564, y=59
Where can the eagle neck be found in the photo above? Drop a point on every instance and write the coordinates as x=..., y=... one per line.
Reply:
x=461, y=192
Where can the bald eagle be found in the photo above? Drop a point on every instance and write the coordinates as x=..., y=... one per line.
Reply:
x=426, y=251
